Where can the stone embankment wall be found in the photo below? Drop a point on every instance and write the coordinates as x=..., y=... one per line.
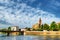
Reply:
x=42, y=33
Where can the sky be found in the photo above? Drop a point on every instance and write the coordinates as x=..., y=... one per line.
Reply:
x=26, y=13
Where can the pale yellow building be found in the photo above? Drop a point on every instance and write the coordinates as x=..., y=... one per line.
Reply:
x=36, y=26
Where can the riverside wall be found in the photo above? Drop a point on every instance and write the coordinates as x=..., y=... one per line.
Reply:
x=41, y=32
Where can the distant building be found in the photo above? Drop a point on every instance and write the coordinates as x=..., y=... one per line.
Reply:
x=14, y=28
x=23, y=29
x=58, y=23
x=37, y=25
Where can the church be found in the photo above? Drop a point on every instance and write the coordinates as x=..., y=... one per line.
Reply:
x=37, y=25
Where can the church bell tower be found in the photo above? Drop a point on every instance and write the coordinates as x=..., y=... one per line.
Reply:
x=40, y=21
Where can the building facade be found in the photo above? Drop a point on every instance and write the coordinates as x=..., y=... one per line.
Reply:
x=23, y=29
x=14, y=28
x=37, y=25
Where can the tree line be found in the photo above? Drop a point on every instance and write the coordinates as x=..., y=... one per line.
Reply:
x=52, y=27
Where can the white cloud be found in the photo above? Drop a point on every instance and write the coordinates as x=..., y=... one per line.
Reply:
x=24, y=15
x=31, y=1
x=4, y=1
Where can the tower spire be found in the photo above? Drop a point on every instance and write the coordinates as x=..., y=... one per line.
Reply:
x=40, y=21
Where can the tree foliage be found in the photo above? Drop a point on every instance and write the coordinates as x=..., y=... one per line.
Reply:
x=45, y=27
x=9, y=28
x=52, y=27
x=59, y=26
x=28, y=29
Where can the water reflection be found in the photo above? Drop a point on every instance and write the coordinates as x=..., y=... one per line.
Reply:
x=29, y=37
x=51, y=37
x=41, y=38
x=14, y=38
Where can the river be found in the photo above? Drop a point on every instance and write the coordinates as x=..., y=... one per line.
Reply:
x=29, y=37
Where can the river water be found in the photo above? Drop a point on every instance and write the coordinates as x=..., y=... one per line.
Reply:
x=29, y=37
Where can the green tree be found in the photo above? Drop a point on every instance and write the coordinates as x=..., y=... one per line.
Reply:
x=4, y=29
x=9, y=28
x=28, y=29
x=58, y=26
x=41, y=28
x=53, y=26
x=45, y=27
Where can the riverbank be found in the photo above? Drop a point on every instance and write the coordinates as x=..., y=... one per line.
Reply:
x=42, y=33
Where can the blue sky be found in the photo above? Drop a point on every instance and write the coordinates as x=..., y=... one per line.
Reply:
x=25, y=13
